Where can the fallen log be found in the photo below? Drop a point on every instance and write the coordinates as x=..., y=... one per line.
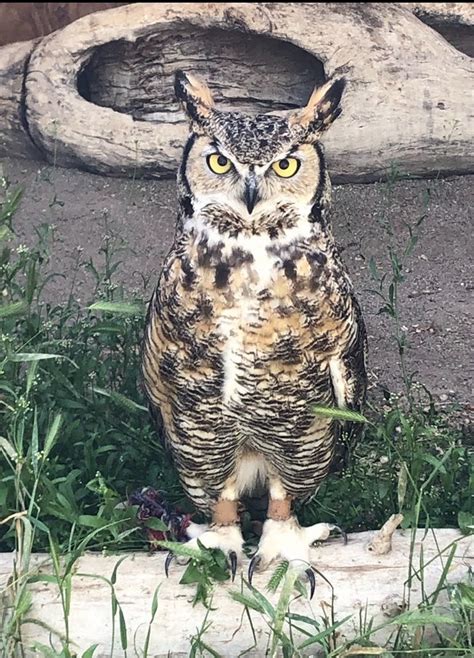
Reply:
x=396, y=109
x=453, y=20
x=14, y=137
x=97, y=94
x=367, y=584
x=29, y=20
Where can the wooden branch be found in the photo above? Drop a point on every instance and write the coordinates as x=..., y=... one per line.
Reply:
x=381, y=543
x=363, y=582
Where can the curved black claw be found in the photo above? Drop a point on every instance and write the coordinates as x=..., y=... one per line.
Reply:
x=254, y=562
x=342, y=533
x=312, y=582
x=233, y=563
x=169, y=559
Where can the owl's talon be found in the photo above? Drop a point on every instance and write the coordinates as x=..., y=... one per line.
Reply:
x=254, y=564
x=341, y=532
x=169, y=559
x=312, y=582
x=233, y=564
x=226, y=538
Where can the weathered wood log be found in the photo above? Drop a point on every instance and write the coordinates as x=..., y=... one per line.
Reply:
x=366, y=584
x=257, y=58
x=14, y=137
x=397, y=107
x=29, y=20
x=453, y=20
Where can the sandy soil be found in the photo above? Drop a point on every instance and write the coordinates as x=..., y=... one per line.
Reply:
x=436, y=297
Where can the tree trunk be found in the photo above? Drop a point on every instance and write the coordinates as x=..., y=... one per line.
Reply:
x=367, y=586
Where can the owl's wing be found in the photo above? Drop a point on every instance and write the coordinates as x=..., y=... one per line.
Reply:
x=349, y=381
x=157, y=421
x=150, y=379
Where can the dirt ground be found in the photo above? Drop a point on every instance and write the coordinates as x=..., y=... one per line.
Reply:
x=436, y=297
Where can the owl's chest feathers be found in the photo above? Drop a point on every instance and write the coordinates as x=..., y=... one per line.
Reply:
x=260, y=305
x=247, y=276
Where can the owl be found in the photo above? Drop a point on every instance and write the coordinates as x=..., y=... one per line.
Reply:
x=253, y=322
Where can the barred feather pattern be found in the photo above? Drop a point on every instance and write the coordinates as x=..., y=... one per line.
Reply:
x=246, y=331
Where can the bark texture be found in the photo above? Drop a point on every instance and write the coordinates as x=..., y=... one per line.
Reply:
x=14, y=137
x=99, y=96
x=365, y=584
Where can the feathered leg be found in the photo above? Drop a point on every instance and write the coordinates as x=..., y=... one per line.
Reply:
x=284, y=539
x=223, y=532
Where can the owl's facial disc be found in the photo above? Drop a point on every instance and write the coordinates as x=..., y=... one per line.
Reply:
x=252, y=179
x=254, y=172
x=220, y=181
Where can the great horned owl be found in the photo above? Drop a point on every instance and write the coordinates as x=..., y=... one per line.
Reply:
x=254, y=320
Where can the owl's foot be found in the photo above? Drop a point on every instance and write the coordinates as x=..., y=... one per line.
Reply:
x=287, y=540
x=228, y=538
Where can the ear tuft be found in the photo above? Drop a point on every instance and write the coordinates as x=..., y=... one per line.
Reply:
x=322, y=108
x=195, y=96
x=333, y=98
x=180, y=81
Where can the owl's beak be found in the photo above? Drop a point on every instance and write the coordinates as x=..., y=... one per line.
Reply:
x=251, y=192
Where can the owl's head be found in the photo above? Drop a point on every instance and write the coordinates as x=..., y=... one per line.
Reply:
x=250, y=167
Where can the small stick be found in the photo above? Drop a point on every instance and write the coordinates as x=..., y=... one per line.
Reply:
x=381, y=543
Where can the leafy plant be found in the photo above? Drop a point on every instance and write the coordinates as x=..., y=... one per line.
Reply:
x=75, y=432
x=206, y=566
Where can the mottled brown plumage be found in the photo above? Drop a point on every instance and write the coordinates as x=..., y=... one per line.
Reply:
x=254, y=319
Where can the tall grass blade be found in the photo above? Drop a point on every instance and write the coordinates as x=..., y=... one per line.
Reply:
x=12, y=310
x=52, y=435
x=120, y=308
x=339, y=414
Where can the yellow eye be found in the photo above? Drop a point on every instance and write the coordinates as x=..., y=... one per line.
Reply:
x=286, y=168
x=218, y=163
